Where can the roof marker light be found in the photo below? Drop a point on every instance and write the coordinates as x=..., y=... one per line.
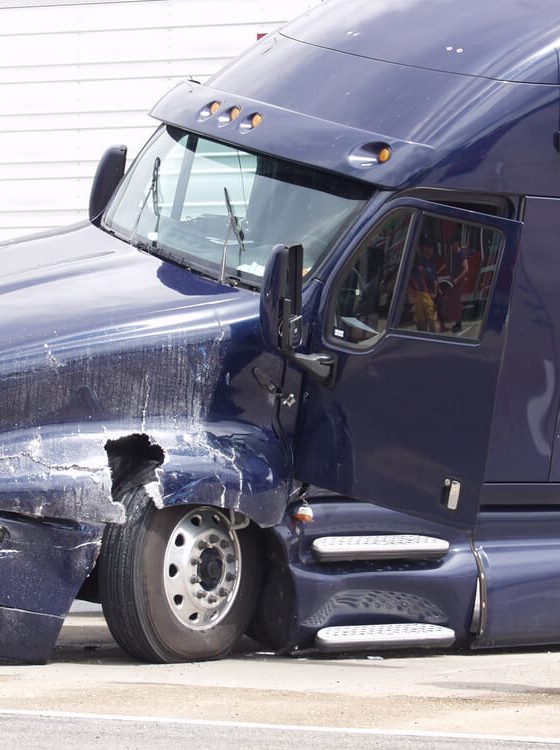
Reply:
x=384, y=154
x=209, y=109
x=251, y=122
x=229, y=115
x=370, y=154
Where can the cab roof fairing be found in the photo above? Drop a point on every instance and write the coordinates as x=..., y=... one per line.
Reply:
x=505, y=40
x=320, y=105
x=295, y=136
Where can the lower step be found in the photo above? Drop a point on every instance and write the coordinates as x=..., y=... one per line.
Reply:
x=386, y=547
x=387, y=636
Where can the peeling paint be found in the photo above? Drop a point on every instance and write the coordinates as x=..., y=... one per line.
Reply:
x=145, y=409
x=96, y=544
x=51, y=359
x=153, y=490
x=49, y=474
x=228, y=465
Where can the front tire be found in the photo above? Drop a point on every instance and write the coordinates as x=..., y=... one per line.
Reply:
x=177, y=584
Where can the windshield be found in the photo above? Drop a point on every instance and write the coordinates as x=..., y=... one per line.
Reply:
x=220, y=210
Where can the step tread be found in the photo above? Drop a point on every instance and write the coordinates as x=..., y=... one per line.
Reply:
x=387, y=635
x=379, y=547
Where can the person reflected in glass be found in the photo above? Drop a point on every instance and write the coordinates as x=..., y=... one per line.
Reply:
x=423, y=287
x=458, y=270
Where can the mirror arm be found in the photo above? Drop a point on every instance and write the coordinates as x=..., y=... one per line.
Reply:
x=322, y=367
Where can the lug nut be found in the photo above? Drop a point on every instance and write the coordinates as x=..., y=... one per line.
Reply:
x=230, y=559
x=214, y=538
x=224, y=544
x=212, y=599
x=195, y=579
x=201, y=594
x=230, y=577
x=195, y=560
x=222, y=592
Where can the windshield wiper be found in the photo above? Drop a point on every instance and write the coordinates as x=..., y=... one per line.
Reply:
x=233, y=224
x=154, y=193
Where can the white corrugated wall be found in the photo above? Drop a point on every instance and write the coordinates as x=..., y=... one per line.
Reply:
x=76, y=77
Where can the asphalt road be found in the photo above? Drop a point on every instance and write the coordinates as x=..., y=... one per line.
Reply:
x=49, y=732
x=93, y=695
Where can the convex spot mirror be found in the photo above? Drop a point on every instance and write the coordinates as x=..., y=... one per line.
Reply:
x=109, y=173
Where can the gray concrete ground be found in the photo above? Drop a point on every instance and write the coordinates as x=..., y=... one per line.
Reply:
x=512, y=694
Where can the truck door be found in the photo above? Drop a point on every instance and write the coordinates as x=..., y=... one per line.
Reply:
x=414, y=318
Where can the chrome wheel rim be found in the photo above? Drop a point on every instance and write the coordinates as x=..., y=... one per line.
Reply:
x=202, y=568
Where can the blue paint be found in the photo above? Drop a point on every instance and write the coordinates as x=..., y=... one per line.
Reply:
x=108, y=351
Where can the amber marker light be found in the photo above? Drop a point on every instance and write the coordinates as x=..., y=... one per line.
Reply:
x=304, y=514
x=251, y=122
x=210, y=109
x=384, y=154
x=234, y=113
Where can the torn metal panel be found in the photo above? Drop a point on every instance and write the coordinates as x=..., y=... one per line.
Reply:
x=50, y=474
x=27, y=637
x=227, y=464
x=42, y=566
x=240, y=467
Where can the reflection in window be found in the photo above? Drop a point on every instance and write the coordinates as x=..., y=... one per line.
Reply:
x=363, y=296
x=450, y=277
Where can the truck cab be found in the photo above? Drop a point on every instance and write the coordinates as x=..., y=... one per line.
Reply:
x=296, y=377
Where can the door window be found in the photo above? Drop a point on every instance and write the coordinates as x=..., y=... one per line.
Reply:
x=450, y=278
x=363, y=296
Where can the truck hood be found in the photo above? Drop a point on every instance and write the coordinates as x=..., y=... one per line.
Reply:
x=81, y=282
x=94, y=330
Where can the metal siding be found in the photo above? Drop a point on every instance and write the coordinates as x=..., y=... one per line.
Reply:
x=77, y=77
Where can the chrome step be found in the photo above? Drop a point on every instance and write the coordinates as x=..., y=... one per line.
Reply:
x=388, y=547
x=387, y=636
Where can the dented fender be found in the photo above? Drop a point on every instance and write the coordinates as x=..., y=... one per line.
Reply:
x=234, y=466
x=57, y=473
x=72, y=472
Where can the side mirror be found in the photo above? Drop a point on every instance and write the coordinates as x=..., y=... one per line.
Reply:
x=281, y=312
x=281, y=298
x=108, y=175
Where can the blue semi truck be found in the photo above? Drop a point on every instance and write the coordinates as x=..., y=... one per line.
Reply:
x=297, y=377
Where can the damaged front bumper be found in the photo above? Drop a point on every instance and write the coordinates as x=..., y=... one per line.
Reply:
x=42, y=566
x=53, y=510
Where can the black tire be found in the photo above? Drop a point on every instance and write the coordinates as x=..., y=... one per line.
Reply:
x=154, y=608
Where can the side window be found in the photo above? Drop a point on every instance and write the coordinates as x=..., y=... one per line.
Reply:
x=450, y=278
x=363, y=296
